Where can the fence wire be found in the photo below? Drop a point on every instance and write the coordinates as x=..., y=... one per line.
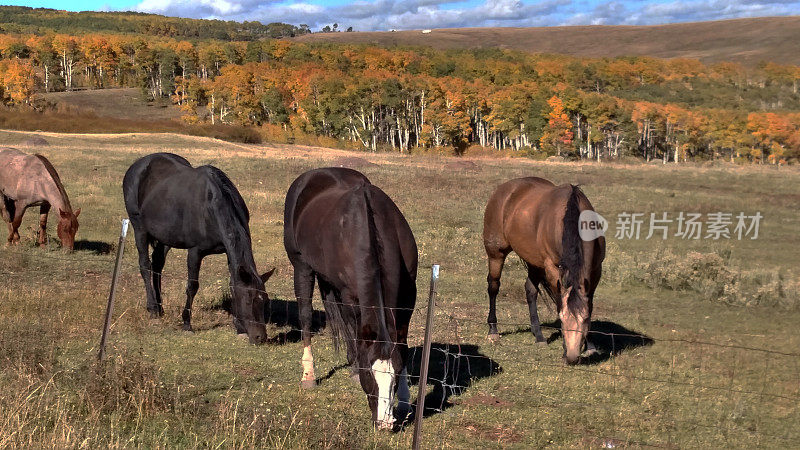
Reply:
x=727, y=382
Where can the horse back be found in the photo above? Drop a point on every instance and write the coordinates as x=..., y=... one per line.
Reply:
x=23, y=176
x=511, y=205
x=182, y=206
x=313, y=187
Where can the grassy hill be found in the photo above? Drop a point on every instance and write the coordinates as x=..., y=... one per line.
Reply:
x=22, y=19
x=748, y=41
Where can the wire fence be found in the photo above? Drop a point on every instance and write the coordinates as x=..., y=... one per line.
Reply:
x=702, y=391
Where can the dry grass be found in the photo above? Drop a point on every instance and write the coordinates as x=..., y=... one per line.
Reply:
x=695, y=386
x=115, y=103
x=748, y=41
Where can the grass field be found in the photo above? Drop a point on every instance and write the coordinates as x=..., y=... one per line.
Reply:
x=748, y=41
x=115, y=103
x=688, y=368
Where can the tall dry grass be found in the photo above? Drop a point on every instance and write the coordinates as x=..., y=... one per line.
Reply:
x=715, y=276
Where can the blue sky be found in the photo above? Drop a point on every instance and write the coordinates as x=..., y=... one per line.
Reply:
x=367, y=15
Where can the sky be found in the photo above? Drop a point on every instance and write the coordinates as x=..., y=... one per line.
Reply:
x=371, y=15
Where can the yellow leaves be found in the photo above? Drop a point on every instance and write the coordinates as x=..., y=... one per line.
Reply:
x=18, y=81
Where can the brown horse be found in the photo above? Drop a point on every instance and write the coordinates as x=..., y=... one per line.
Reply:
x=539, y=221
x=30, y=180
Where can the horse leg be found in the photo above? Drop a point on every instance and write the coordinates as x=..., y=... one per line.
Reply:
x=4, y=209
x=146, y=269
x=43, y=211
x=8, y=212
x=159, y=258
x=531, y=294
x=303, y=290
x=493, y=281
x=19, y=211
x=193, y=261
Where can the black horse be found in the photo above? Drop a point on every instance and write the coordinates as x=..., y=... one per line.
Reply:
x=173, y=205
x=351, y=237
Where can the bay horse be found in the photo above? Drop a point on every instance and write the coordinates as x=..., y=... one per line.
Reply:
x=349, y=235
x=539, y=221
x=31, y=180
x=174, y=205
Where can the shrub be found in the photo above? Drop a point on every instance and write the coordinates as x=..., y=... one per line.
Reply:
x=712, y=275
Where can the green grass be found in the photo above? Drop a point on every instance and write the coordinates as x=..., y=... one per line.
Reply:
x=161, y=387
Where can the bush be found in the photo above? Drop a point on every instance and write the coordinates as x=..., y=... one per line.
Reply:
x=712, y=275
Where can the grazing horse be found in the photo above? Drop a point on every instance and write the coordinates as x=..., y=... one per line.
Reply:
x=539, y=221
x=30, y=180
x=174, y=205
x=350, y=236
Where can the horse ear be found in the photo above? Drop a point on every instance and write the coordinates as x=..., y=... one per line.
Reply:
x=266, y=275
x=77, y=213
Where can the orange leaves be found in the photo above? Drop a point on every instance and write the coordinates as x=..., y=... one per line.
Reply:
x=776, y=133
x=558, y=133
x=18, y=81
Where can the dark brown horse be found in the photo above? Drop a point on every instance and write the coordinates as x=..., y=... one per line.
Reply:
x=30, y=180
x=540, y=222
x=350, y=236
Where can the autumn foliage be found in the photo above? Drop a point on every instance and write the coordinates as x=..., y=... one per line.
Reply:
x=405, y=99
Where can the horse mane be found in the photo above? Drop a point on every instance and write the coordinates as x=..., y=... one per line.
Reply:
x=571, y=249
x=340, y=330
x=56, y=179
x=376, y=252
x=229, y=191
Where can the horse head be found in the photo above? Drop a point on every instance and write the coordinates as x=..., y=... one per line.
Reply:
x=380, y=364
x=67, y=227
x=250, y=298
x=575, y=315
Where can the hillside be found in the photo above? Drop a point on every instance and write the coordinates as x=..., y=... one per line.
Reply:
x=748, y=41
x=22, y=19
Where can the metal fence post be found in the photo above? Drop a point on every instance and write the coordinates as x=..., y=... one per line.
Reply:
x=426, y=355
x=114, y=278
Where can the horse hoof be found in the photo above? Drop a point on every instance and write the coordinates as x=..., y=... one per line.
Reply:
x=494, y=337
x=187, y=327
x=243, y=335
x=543, y=342
x=355, y=378
x=308, y=384
x=155, y=314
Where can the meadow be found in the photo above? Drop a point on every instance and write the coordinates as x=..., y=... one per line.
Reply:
x=699, y=337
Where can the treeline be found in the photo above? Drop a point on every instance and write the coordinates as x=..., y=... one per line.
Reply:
x=22, y=19
x=404, y=99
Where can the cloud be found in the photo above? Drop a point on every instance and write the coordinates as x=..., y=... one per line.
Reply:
x=369, y=15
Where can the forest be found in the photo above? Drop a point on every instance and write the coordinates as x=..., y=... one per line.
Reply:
x=421, y=99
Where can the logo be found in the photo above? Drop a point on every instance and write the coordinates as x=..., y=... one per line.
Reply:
x=591, y=225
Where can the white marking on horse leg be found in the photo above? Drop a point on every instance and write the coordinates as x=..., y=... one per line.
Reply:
x=384, y=375
x=403, y=395
x=308, y=364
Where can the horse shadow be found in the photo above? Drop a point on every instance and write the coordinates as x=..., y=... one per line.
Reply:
x=96, y=247
x=281, y=313
x=452, y=368
x=609, y=338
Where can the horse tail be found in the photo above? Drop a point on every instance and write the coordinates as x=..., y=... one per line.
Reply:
x=571, y=247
